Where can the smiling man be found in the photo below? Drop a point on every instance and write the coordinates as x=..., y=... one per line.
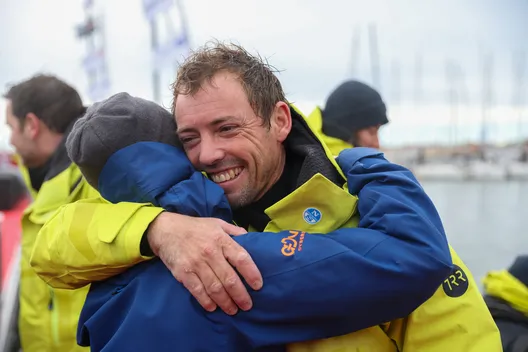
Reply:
x=238, y=149
x=236, y=125
x=235, y=149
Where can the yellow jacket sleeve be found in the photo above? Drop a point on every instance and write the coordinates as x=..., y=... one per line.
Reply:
x=90, y=240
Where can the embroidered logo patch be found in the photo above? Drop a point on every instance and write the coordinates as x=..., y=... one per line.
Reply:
x=292, y=243
x=312, y=215
x=456, y=284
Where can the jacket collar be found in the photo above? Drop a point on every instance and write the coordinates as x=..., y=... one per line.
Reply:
x=307, y=156
x=59, y=160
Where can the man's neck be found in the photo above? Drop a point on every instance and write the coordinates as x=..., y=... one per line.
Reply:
x=254, y=214
x=47, y=145
x=275, y=175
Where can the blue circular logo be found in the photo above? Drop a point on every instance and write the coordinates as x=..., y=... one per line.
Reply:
x=312, y=215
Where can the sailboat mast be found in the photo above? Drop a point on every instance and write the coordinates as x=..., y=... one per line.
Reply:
x=418, y=79
x=452, y=100
x=519, y=72
x=374, y=56
x=487, y=72
x=354, y=64
x=396, y=81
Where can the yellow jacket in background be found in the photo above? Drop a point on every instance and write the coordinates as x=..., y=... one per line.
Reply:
x=25, y=176
x=48, y=317
x=315, y=121
x=503, y=285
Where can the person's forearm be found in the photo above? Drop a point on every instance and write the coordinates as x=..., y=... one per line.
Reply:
x=90, y=240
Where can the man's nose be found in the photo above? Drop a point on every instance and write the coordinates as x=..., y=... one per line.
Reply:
x=210, y=152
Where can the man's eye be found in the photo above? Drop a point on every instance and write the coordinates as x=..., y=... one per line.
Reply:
x=186, y=140
x=227, y=128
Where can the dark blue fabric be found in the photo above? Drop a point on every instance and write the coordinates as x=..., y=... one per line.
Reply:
x=157, y=173
x=340, y=282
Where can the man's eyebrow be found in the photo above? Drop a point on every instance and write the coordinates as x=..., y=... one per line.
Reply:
x=213, y=123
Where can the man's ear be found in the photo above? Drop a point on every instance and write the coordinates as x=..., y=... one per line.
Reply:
x=32, y=125
x=281, y=121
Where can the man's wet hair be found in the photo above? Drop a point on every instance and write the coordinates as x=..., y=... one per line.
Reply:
x=52, y=100
x=257, y=76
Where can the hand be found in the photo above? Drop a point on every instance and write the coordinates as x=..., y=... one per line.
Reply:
x=195, y=251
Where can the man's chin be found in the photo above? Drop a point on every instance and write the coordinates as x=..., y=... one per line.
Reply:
x=238, y=200
x=235, y=203
x=26, y=163
x=30, y=164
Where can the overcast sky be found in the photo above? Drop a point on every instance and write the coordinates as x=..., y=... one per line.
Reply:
x=311, y=42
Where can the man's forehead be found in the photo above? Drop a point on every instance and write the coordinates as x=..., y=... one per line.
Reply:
x=8, y=105
x=196, y=123
x=216, y=91
x=222, y=82
x=8, y=110
x=210, y=106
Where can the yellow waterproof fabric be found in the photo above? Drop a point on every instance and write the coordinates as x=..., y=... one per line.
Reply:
x=315, y=121
x=91, y=240
x=25, y=175
x=503, y=285
x=48, y=317
x=445, y=322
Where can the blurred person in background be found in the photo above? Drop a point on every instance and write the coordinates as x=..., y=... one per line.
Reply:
x=353, y=115
x=40, y=112
x=506, y=294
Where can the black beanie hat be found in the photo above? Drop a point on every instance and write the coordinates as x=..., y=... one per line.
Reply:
x=351, y=107
x=519, y=269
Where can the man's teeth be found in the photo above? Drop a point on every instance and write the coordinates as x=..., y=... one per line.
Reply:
x=226, y=175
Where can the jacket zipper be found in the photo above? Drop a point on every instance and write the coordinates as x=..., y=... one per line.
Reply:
x=53, y=307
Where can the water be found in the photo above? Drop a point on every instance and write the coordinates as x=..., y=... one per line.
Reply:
x=485, y=222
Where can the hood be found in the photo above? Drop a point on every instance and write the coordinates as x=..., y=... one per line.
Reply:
x=503, y=285
x=315, y=122
x=60, y=160
x=130, y=175
x=302, y=140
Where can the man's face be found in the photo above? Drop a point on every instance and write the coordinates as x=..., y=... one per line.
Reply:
x=224, y=137
x=21, y=138
x=368, y=137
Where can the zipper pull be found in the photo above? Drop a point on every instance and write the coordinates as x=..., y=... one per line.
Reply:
x=50, y=304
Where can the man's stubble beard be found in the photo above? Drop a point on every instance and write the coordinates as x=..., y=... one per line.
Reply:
x=248, y=195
